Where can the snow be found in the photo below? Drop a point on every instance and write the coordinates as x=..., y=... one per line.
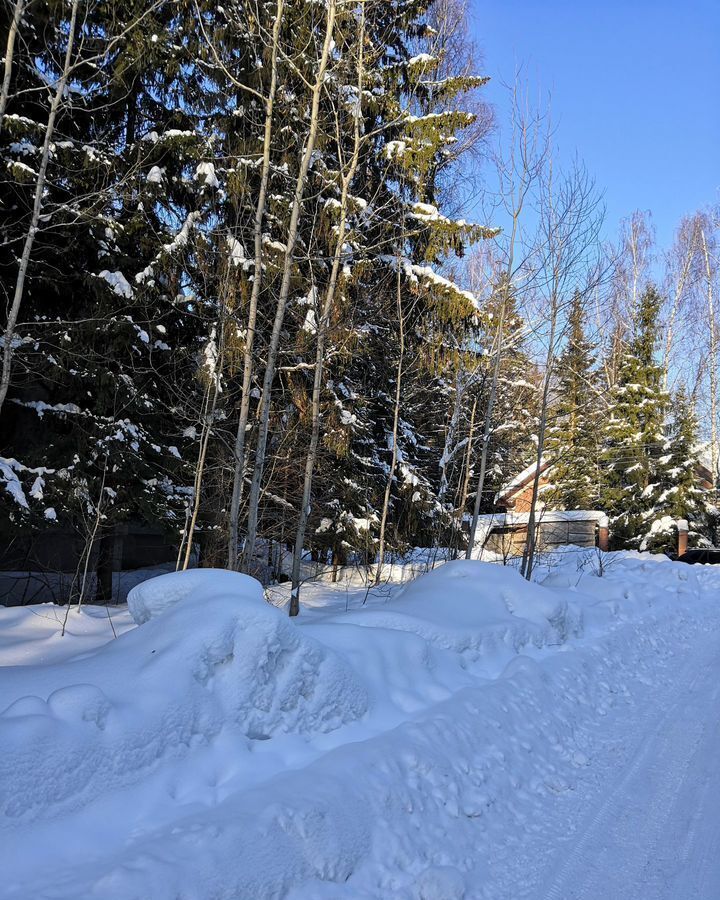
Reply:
x=478, y=617
x=237, y=254
x=464, y=735
x=547, y=516
x=13, y=484
x=182, y=237
x=151, y=598
x=223, y=656
x=156, y=175
x=422, y=59
x=206, y=172
x=118, y=283
x=522, y=478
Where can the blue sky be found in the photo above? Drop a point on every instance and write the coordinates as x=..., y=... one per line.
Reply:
x=635, y=92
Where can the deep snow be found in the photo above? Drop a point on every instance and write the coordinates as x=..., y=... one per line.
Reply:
x=466, y=735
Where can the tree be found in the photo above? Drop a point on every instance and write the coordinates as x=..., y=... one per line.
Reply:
x=572, y=439
x=570, y=221
x=518, y=173
x=109, y=357
x=634, y=435
x=680, y=496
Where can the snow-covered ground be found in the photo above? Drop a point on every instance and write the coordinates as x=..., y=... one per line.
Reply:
x=467, y=735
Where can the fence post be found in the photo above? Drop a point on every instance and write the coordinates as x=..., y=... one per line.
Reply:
x=604, y=533
x=682, y=528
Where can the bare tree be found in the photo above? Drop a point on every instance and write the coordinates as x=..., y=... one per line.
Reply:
x=396, y=417
x=517, y=172
x=630, y=262
x=710, y=272
x=239, y=448
x=18, y=10
x=570, y=221
x=59, y=93
x=681, y=265
x=324, y=319
x=288, y=258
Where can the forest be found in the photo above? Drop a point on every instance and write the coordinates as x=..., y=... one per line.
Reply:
x=280, y=283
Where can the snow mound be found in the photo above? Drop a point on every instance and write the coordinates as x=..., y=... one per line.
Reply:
x=467, y=605
x=151, y=598
x=222, y=661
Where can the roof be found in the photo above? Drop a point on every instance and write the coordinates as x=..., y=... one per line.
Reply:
x=522, y=479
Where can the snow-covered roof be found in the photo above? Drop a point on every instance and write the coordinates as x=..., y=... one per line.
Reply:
x=523, y=477
x=542, y=516
x=555, y=515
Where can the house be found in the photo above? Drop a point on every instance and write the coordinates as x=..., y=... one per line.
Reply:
x=506, y=531
x=516, y=495
x=554, y=528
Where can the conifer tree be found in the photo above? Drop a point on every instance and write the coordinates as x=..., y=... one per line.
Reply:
x=634, y=435
x=680, y=496
x=103, y=395
x=572, y=441
x=514, y=421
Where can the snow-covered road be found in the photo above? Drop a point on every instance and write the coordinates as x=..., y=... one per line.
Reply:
x=656, y=833
x=467, y=737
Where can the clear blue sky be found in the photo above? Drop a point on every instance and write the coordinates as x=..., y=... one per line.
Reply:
x=635, y=91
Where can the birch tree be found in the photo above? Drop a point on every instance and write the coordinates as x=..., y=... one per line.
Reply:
x=347, y=178
x=395, y=424
x=518, y=173
x=710, y=271
x=263, y=414
x=18, y=9
x=570, y=222
x=24, y=262
x=681, y=266
x=248, y=357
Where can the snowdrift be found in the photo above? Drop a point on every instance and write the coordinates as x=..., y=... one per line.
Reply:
x=475, y=608
x=212, y=655
x=420, y=745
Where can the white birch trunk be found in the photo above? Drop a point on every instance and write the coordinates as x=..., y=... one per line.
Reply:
x=712, y=360
x=9, y=54
x=487, y=426
x=322, y=326
x=396, y=423
x=239, y=448
x=265, y=398
x=683, y=275
x=9, y=332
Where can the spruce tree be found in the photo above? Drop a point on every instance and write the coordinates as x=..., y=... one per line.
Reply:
x=680, y=496
x=572, y=439
x=634, y=434
x=513, y=429
x=108, y=381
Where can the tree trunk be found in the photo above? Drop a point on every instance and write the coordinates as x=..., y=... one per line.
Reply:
x=687, y=258
x=239, y=448
x=713, y=357
x=466, y=470
x=298, y=199
x=9, y=53
x=322, y=326
x=396, y=423
x=487, y=426
x=9, y=333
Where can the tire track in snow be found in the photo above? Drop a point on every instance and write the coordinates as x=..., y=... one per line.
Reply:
x=698, y=875
x=613, y=857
